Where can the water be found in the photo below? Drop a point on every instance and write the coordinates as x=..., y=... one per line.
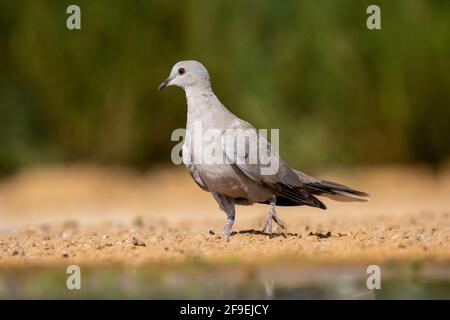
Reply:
x=204, y=281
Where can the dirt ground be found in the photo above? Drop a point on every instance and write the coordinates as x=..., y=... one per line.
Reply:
x=95, y=216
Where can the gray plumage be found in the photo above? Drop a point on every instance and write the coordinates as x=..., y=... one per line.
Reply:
x=238, y=182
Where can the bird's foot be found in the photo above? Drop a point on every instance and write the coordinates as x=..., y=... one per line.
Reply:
x=281, y=226
x=267, y=224
x=226, y=232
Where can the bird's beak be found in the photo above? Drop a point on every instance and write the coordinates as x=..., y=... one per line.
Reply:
x=164, y=84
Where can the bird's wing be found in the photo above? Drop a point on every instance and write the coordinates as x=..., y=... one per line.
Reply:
x=240, y=143
x=250, y=151
x=192, y=169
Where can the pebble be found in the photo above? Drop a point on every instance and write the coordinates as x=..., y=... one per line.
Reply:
x=67, y=233
x=138, y=222
x=138, y=243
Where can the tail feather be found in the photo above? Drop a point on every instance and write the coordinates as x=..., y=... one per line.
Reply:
x=301, y=197
x=336, y=191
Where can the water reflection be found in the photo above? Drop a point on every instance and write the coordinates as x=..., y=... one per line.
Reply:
x=209, y=282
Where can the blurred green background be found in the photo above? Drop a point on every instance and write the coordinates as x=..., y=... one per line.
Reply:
x=340, y=93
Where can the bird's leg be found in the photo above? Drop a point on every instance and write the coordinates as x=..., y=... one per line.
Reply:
x=229, y=224
x=268, y=221
x=227, y=205
x=272, y=215
x=280, y=223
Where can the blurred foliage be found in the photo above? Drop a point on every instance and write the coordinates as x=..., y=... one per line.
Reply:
x=340, y=93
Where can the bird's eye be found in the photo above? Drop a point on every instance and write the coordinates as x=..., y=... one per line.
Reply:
x=181, y=71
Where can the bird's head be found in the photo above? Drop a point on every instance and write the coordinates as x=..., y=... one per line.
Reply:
x=187, y=74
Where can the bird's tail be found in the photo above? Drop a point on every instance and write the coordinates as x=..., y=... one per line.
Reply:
x=335, y=191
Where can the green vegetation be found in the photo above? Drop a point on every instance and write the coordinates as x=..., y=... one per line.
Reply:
x=343, y=93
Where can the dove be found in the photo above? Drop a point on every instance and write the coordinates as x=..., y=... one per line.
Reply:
x=237, y=181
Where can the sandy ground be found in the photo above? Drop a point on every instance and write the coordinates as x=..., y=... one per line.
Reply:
x=95, y=216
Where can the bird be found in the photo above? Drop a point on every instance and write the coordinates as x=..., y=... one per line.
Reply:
x=233, y=182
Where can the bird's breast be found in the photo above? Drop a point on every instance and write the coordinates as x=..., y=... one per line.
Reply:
x=229, y=181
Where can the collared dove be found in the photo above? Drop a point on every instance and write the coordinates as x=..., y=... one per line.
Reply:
x=238, y=182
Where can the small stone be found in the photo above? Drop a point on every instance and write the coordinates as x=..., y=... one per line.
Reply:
x=65, y=255
x=159, y=237
x=211, y=232
x=67, y=233
x=138, y=243
x=138, y=222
